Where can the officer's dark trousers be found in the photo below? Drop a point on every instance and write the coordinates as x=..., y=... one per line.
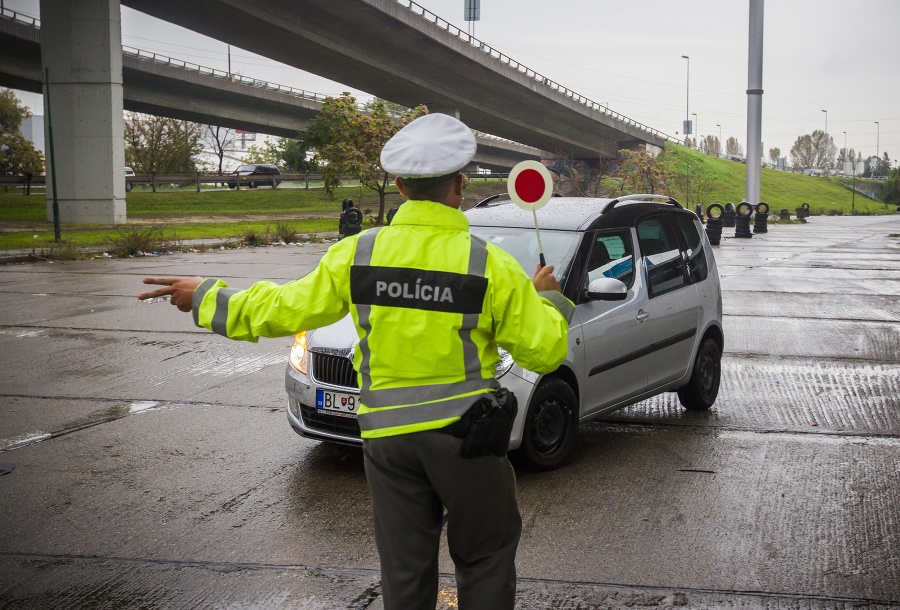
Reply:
x=411, y=478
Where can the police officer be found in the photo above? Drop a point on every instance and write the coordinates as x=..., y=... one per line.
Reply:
x=431, y=303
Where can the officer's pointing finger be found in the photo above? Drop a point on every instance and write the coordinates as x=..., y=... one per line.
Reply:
x=161, y=281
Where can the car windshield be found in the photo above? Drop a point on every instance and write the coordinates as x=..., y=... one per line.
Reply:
x=559, y=246
x=246, y=168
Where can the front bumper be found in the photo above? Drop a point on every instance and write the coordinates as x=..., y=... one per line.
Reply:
x=306, y=421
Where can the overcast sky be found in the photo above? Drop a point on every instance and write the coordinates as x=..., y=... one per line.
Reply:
x=818, y=54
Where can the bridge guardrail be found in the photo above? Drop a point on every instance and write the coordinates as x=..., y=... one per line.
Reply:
x=506, y=59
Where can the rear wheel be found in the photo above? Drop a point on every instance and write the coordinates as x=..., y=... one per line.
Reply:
x=700, y=392
x=551, y=425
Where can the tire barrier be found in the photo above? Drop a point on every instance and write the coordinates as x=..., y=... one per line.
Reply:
x=803, y=212
x=742, y=220
x=714, y=214
x=785, y=214
x=700, y=212
x=390, y=215
x=761, y=220
x=351, y=219
x=728, y=216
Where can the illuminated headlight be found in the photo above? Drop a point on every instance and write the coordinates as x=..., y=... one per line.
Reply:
x=505, y=363
x=299, y=358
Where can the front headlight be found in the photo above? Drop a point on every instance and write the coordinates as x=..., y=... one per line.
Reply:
x=299, y=359
x=505, y=363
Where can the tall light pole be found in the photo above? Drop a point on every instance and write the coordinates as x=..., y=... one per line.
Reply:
x=846, y=152
x=696, y=127
x=687, y=107
x=877, y=146
x=825, y=158
x=718, y=152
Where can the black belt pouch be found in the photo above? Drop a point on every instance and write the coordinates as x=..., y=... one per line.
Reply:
x=486, y=426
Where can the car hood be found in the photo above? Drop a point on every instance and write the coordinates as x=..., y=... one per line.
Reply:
x=338, y=336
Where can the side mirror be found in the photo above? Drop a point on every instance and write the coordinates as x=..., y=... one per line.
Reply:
x=607, y=289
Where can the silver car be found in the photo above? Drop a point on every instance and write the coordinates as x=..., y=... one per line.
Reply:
x=648, y=319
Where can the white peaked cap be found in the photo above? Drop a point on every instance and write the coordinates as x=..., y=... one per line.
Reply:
x=432, y=145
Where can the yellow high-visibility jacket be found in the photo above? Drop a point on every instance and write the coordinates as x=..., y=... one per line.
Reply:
x=431, y=303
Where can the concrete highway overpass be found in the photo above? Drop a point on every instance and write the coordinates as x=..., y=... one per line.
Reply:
x=163, y=86
x=398, y=51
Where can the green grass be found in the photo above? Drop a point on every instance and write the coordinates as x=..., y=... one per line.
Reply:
x=101, y=237
x=778, y=189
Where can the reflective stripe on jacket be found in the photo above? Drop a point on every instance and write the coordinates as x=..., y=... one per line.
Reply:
x=430, y=303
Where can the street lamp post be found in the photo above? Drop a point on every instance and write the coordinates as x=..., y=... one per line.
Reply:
x=687, y=109
x=877, y=146
x=696, y=127
x=846, y=152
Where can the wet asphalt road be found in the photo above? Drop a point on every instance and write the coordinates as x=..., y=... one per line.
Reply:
x=154, y=467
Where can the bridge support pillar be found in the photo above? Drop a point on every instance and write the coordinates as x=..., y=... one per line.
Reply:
x=434, y=108
x=81, y=46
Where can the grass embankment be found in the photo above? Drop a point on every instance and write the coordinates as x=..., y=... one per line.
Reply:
x=188, y=215
x=781, y=190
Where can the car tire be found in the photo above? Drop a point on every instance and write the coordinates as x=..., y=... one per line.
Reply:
x=232, y=186
x=701, y=391
x=551, y=425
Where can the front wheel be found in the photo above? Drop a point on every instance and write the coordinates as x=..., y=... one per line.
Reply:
x=700, y=392
x=551, y=425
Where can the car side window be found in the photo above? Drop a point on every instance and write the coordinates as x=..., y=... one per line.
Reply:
x=662, y=255
x=611, y=256
x=697, y=259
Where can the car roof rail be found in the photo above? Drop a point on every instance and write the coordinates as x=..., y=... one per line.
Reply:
x=483, y=203
x=661, y=199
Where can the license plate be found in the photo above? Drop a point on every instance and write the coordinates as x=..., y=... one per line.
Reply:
x=336, y=403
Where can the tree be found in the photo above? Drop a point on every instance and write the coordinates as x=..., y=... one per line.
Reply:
x=219, y=139
x=733, y=147
x=710, y=145
x=774, y=154
x=160, y=145
x=348, y=142
x=813, y=150
x=289, y=154
x=587, y=177
x=639, y=172
x=17, y=154
x=891, y=189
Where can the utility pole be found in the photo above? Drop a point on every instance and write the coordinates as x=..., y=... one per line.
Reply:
x=754, y=103
x=687, y=105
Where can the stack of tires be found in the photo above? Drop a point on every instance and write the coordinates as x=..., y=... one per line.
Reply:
x=714, y=214
x=785, y=214
x=742, y=220
x=761, y=220
x=728, y=215
x=700, y=212
x=803, y=212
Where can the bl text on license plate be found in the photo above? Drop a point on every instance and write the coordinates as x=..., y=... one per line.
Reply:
x=337, y=403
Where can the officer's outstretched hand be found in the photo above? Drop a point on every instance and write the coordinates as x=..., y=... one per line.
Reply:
x=544, y=279
x=180, y=289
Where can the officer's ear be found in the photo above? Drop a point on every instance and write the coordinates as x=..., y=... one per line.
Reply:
x=400, y=186
x=458, y=185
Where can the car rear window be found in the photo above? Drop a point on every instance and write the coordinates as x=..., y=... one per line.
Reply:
x=697, y=260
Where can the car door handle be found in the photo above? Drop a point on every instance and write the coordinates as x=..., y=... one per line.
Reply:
x=642, y=315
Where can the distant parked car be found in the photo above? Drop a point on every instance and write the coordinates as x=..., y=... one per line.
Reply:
x=129, y=173
x=648, y=320
x=253, y=175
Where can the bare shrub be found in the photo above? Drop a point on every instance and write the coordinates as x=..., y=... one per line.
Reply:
x=286, y=232
x=133, y=239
